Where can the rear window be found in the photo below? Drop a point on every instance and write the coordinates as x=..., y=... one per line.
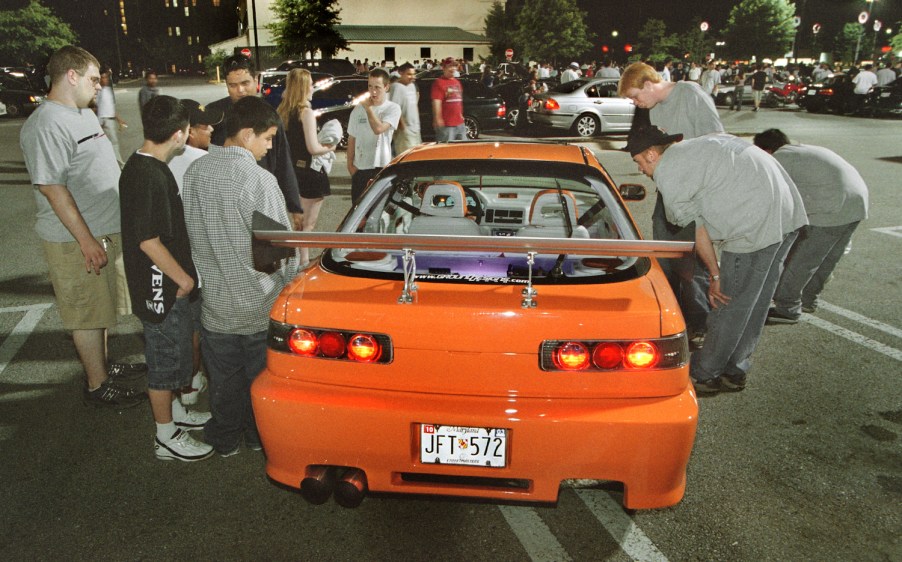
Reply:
x=526, y=203
x=568, y=87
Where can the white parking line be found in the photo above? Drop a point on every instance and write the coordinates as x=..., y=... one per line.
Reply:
x=891, y=230
x=630, y=538
x=853, y=336
x=20, y=333
x=877, y=325
x=535, y=536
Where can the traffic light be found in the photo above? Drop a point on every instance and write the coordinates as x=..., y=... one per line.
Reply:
x=628, y=48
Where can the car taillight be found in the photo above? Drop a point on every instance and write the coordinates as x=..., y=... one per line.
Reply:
x=302, y=342
x=826, y=92
x=502, y=111
x=595, y=355
x=551, y=104
x=329, y=344
x=267, y=91
x=571, y=356
x=364, y=348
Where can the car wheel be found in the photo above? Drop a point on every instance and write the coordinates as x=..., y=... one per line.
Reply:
x=587, y=125
x=728, y=100
x=13, y=110
x=813, y=109
x=472, y=126
x=512, y=117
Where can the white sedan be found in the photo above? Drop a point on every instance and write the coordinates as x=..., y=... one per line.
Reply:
x=587, y=107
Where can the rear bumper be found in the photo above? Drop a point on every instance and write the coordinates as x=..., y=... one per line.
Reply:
x=643, y=443
x=553, y=120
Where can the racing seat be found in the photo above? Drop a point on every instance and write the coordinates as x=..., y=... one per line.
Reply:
x=547, y=219
x=443, y=211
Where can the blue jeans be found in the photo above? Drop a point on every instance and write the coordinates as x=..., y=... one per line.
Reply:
x=809, y=265
x=445, y=134
x=687, y=276
x=735, y=328
x=168, y=347
x=233, y=362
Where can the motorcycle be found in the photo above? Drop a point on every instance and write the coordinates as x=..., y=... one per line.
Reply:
x=789, y=92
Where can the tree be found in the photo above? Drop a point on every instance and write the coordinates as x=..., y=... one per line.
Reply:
x=31, y=34
x=500, y=29
x=846, y=41
x=694, y=45
x=306, y=27
x=760, y=28
x=654, y=43
x=552, y=30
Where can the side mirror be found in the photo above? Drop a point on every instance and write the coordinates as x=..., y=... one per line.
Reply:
x=632, y=191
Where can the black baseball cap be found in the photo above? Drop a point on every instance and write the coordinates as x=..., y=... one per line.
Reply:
x=645, y=137
x=200, y=115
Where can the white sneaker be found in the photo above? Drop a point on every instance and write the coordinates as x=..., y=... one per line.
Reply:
x=192, y=420
x=198, y=385
x=182, y=447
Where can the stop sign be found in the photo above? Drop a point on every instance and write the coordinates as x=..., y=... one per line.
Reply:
x=246, y=52
x=509, y=53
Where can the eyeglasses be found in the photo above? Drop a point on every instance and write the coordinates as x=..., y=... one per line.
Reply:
x=95, y=80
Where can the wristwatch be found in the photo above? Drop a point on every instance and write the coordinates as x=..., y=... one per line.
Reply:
x=715, y=278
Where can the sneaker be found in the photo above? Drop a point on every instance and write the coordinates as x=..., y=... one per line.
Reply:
x=230, y=453
x=809, y=308
x=708, y=386
x=126, y=371
x=111, y=395
x=189, y=395
x=733, y=383
x=182, y=447
x=697, y=340
x=193, y=420
x=775, y=317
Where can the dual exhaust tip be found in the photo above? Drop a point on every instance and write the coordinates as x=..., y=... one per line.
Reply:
x=347, y=484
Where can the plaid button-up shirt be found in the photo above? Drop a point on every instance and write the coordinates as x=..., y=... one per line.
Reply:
x=221, y=192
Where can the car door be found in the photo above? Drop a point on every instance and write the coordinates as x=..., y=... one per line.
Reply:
x=616, y=113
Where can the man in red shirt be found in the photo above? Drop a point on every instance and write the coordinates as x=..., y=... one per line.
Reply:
x=448, y=104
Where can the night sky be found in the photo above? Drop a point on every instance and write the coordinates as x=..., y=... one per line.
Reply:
x=628, y=16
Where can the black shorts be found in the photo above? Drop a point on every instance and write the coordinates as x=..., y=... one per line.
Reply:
x=312, y=184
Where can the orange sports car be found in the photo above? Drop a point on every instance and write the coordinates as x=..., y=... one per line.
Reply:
x=487, y=322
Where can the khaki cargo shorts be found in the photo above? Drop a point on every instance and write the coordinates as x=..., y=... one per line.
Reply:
x=87, y=301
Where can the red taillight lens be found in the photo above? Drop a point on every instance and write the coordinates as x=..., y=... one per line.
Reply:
x=267, y=91
x=551, y=104
x=302, y=342
x=502, y=111
x=607, y=355
x=571, y=356
x=641, y=355
x=364, y=348
x=826, y=92
x=332, y=344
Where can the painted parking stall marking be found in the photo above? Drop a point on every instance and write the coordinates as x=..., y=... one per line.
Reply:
x=20, y=333
x=611, y=515
x=891, y=230
x=535, y=536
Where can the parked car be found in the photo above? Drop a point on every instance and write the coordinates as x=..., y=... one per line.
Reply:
x=487, y=323
x=885, y=101
x=726, y=94
x=332, y=67
x=271, y=84
x=586, y=107
x=511, y=91
x=484, y=111
x=2, y=109
x=20, y=99
x=833, y=94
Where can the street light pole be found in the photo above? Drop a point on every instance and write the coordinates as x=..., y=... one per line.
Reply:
x=858, y=43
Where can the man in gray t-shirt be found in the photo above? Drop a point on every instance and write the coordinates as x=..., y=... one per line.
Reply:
x=677, y=108
x=836, y=200
x=741, y=198
x=76, y=179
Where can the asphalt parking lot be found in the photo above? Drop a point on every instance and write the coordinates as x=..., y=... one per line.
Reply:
x=806, y=464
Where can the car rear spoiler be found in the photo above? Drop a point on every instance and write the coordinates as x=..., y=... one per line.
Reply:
x=411, y=243
x=445, y=243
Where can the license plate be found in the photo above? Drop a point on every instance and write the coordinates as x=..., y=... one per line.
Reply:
x=470, y=446
x=885, y=94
